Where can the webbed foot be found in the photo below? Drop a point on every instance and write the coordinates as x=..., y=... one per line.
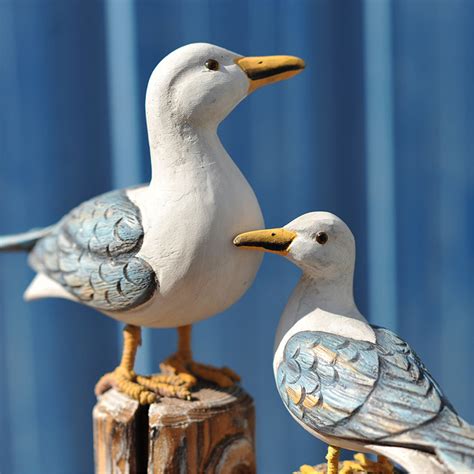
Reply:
x=190, y=371
x=125, y=381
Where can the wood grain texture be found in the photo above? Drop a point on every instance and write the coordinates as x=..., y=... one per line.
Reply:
x=119, y=423
x=214, y=433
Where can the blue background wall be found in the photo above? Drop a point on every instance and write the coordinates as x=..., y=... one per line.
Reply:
x=378, y=129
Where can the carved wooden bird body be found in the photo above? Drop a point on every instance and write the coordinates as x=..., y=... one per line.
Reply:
x=349, y=383
x=161, y=254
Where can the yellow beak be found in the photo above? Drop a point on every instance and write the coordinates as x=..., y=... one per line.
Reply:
x=267, y=240
x=263, y=70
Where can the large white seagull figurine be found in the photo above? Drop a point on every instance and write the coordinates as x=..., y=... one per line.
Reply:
x=161, y=255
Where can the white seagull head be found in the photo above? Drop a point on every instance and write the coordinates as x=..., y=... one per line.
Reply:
x=319, y=243
x=199, y=84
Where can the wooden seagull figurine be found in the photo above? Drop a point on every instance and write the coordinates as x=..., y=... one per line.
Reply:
x=161, y=255
x=351, y=384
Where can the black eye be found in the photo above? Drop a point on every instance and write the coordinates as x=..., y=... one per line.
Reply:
x=212, y=65
x=321, y=238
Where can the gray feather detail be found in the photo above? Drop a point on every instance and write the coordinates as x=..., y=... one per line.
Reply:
x=319, y=383
x=451, y=438
x=379, y=393
x=92, y=254
x=24, y=241
x=405, y=396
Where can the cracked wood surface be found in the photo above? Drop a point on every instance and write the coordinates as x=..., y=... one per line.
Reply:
x=214, y=433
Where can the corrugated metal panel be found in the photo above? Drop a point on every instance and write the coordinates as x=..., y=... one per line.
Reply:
x=378, y=129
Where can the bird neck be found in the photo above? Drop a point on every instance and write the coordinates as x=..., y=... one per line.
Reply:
x=186, y=149
x=329, y=297
x=175, y=142
x=323, y=305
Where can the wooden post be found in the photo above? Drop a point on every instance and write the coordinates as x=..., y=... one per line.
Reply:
x=214, y=433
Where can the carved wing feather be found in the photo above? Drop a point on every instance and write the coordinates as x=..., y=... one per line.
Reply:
x=325, y=378
x=92, y=254
x=406, y=396
x=356, y=389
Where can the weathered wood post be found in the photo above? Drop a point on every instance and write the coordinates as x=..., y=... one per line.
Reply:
x=214, y=433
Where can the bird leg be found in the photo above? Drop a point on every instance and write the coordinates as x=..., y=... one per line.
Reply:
x=333, y=459
x=179, y=372
x=144, y=389
x=183, y=366
x=123, y=378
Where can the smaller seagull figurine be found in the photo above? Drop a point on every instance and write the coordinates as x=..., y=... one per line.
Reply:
x=161, y=255
x=351, y=384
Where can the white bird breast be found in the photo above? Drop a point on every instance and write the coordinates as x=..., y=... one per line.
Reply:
x=189, y=225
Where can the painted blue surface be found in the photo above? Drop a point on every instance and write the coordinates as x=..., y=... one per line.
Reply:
x=378, y=129
x=92, y=254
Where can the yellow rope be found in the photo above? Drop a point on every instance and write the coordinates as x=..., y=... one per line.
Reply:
x=123, y=382
x=333, y=459
x=360, y=464
x=184, y=343
x=182, y=364
x=211, y=374
x=124, y=376
x=179, y=371
x=165, y=388
x=131, y=340
x=307, y=469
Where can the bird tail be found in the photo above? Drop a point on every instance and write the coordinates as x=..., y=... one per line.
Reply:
x=24, y=241
x=454, y=444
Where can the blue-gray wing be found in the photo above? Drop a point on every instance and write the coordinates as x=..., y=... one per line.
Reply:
x=355, y=389
x=92, y=254
x=419, y=413
x=324, y=379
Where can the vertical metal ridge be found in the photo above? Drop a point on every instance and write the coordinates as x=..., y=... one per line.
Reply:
x=381, y=205
x=122, y=79
x=455, y=173
x=19, y=383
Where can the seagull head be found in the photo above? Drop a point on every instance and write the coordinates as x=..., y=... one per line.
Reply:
x=200, y=83
x=319, y=243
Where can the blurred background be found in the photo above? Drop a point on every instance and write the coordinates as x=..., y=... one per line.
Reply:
x=379, y=129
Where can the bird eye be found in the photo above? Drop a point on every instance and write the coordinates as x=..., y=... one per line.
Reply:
x=212, y=65
x=321, y=238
